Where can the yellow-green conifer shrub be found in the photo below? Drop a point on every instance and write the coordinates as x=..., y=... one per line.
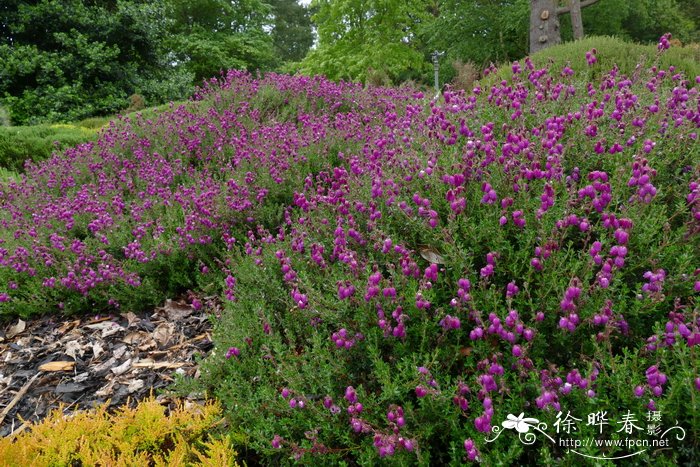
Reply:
x=143, y=436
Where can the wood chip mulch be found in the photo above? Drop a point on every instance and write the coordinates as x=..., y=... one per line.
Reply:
x=82, y=362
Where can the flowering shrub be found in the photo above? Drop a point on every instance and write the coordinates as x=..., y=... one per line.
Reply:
x=149, y=209
x=529, y=247
x=401, y=275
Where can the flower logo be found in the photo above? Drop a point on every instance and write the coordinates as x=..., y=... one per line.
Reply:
x=520, y=423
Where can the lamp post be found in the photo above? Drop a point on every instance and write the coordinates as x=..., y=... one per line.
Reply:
x=436, y=67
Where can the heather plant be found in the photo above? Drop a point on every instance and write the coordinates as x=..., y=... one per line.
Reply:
x=148, y=209
x=528, y=249
x=401, y=276
x=608, y=52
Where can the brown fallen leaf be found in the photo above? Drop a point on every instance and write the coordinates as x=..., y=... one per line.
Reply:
x=131, y=318
x=177, y=311
x=67, y=326
x=16, y=329
x=150, y=344
x=73, y=349
x=57, y=366
x=431, y=255
x=97, y=349
x=163, y=333
x=107, y=327
x=106, y=390
x=134, y=337
x=149, y=363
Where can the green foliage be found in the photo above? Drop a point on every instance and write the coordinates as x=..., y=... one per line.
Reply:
x=356, y=38
x=628, y=57
x=8, y=175
x=37, y=143
x=69, y=60
x=641, y=21
x=292, y=35
x=479, y=31
x=209, y=36
x=94, y=122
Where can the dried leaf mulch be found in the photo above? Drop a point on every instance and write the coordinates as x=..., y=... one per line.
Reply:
x=82, y=362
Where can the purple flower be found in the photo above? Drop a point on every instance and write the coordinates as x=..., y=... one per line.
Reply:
x=470, y=447
x=350, y=395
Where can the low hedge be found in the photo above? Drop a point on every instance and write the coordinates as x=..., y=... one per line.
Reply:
x=37, y=143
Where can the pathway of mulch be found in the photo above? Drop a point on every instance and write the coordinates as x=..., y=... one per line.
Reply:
x=83, y=362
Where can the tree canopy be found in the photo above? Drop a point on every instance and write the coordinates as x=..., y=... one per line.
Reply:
x=208, y=36
x=292, y=36
x=70, y=59
x=357, y=37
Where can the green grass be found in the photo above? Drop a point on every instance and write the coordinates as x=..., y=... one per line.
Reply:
x=611, y=51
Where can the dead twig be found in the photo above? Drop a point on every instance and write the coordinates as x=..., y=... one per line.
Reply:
x=17, y=397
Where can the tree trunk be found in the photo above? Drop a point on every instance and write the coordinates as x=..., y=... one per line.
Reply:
x=574, y=7
x=576, y=19
x=544, y=25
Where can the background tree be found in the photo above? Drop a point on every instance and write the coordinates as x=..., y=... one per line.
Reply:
x=63, y=60
x=208, y=36
x=361, y=39
x=292, y=34
x=637, y=20
x=68, y=59
x=479, y=31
